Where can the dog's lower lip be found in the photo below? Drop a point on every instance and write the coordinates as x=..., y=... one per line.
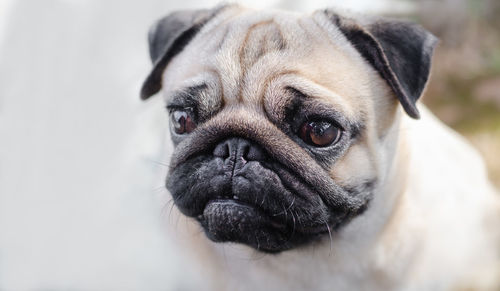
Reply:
x=227, y=202
x=234, y=200
x=232, y=220
x=257, y=215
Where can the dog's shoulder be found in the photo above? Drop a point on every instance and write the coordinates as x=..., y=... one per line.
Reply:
x=441, y=154
x=449, y=188
x=445, y=170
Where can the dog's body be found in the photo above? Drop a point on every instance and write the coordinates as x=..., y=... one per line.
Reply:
x=290, y=140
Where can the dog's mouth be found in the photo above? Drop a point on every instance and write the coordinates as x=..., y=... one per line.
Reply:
x=267, y=209
x=228, y=219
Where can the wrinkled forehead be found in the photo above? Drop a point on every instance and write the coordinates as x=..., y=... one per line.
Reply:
x=244, y=54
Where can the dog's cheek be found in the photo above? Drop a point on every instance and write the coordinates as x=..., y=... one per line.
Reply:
x=355, y=167
x=191, y=183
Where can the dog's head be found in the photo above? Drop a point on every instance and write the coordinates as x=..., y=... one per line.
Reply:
x=277, y=118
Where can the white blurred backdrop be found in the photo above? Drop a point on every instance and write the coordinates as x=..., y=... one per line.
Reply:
x=81, y=157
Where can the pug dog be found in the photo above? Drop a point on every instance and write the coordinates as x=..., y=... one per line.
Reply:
x=299, y=153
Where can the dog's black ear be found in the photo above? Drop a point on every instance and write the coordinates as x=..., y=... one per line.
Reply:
x=400, y=51
x=168, y=37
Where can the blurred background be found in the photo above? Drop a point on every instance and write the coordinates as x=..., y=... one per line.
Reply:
x=82, y=159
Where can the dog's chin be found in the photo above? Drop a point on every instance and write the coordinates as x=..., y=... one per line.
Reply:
x=232, y=220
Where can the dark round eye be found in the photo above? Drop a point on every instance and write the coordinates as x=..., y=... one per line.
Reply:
x=319, y=133
x=182, y=121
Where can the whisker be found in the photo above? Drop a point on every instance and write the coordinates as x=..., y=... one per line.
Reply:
x=156, y=189
x=256, y=255
x=263, y=199
x=330, y=235
x=177, y=223
x=171, y=208
x=284, y=210
x=158, y=163
x=293, y=229
x=164, y=207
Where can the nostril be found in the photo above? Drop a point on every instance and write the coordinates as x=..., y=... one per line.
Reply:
x=254, y=153
x=222, y=150
x=250, y=151
x=239, y=148
x=244, y=150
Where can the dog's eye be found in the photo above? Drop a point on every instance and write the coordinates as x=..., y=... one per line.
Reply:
x=182, y=121
x=319, y=133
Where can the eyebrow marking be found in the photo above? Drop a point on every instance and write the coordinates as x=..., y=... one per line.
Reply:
x=187, y=97
x=294, y=103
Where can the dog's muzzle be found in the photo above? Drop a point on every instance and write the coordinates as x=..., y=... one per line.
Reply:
x=239, y=193
x=227, y=217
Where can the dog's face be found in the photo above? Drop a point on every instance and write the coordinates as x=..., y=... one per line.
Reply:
x=279, y=119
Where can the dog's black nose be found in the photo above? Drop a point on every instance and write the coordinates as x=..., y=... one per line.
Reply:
x=239, y=150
